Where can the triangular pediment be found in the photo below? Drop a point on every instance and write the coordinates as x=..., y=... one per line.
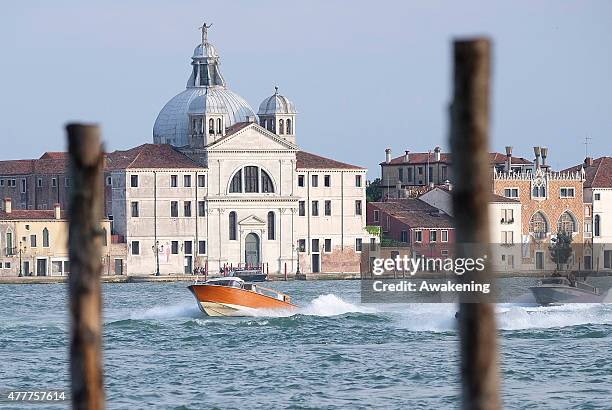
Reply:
x=252, y=138
x=252, y=220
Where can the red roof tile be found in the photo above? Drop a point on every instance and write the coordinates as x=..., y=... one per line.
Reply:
x=306, y=160
x=54, y=155
x=17, y=167
x=30, y=214
x=415, y=213
x=445, y=158
x=597, y=175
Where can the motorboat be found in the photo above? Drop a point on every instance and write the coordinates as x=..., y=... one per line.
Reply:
x=559, y=289
x=232, y=296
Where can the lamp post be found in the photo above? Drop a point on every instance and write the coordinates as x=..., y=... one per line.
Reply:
x=22, y=249
x=156, y=250
x=297, y=251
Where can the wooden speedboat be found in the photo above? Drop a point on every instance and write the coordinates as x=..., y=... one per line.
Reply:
x=232, y=296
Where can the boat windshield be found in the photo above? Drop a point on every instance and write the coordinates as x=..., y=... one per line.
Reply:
x=555, y=281
x=232, y=283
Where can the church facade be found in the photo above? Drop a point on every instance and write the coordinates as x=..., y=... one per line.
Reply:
x=221, y=186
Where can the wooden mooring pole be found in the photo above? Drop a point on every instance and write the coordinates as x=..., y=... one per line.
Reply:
x=471, y=192
x=85, y=248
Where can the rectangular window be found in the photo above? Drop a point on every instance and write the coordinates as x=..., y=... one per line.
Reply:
x=33, y=241
x=1, y=184
x=372, y=244
x=300, y=180
x=134, y=181
x=302, y=245
x=315, y=180
x=187, y=209
x=201, y=208
x=201, y=247
x=511, y=193
x=67, y=182
x=135, y=248
x=174, y=247
x=409, y=174
x=302, y=208
x=507, y=216
x=597, y=197
x=444, y=173
x=376, y=215
x=420, y=170
x=433, y=236
x=358, y=244
x=358, y=207
x=327, y=247
x=24, y=186
x=418, y=236
x=315, y=208
x=39, y=182
x=188, y=247
x=327, y=180
x=328, y=208
x=444, y=236
x=135, y=212
x=430, y=174
x=507, y=237
x=201, y=181
x=186, y=181
x=173, y=181
x=404, y=236
x=54, y=182
x=358, y=181
x=587, y=211
x=174, y=209
x=568, y=193
x=315, y=245
x=400, y=174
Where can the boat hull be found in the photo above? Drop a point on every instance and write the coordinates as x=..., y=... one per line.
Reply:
x=227, y=301
x=551, y=295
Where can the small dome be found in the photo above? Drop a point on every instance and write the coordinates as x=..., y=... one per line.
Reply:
x=205, y=50
x=276, y=104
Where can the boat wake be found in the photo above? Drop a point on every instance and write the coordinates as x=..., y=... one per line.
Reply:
x=183, y=310
x=324, y=305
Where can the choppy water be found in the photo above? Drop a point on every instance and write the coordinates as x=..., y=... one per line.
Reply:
x=160, y=352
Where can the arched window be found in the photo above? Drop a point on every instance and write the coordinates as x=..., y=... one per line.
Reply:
x=266, y=182
x=271, y=227
x=566, y=223
x=211, y=126
x=597, y=223
x=289, y=130
x=251, y=179
x=219, y=130
x=263, y=123
x=45, y=238
x=281, y=127
x=232, y=226
x=271, y=125
x=104, y=237
x=236, y=185
x=195, y=126
x=538, y=225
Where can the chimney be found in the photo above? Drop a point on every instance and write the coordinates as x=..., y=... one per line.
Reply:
x=388, y=155
x=8, y=205
x=544, y=152
x=57, y=211
x=437, y=154
x=588, y=162
x=509, y=159
x=406, y=156
x=536, y=151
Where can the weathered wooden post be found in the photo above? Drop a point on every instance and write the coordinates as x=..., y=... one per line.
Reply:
x=85, y=248
x=469, y=142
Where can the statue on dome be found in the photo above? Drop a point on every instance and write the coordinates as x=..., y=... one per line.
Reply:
x=204, y=29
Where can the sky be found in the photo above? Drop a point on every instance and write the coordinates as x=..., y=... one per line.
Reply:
x=364, y=75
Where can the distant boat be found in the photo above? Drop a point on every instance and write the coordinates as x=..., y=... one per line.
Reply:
x=558, y=290
x=232, y=296
x=249, y=275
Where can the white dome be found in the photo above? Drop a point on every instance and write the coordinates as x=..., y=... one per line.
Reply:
x=206, y=93
x=276, y=104
x=172, y=123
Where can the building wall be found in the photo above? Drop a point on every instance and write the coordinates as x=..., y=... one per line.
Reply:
x=602, y=209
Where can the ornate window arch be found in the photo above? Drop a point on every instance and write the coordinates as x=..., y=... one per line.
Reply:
x=566, y=223
x=538, y=225
x=219, y=126
x=289, y=130
x=281, y=126
x=271, y=226
x=211, y=126
x=251, y=179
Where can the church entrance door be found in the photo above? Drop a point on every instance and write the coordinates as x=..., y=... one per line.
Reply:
x=251, y=250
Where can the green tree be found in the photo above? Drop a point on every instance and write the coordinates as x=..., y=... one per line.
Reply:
x=561, y=248
x=374, y=191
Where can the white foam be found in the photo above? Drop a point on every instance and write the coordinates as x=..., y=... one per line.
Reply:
x=189, y=310
x=324, y=305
